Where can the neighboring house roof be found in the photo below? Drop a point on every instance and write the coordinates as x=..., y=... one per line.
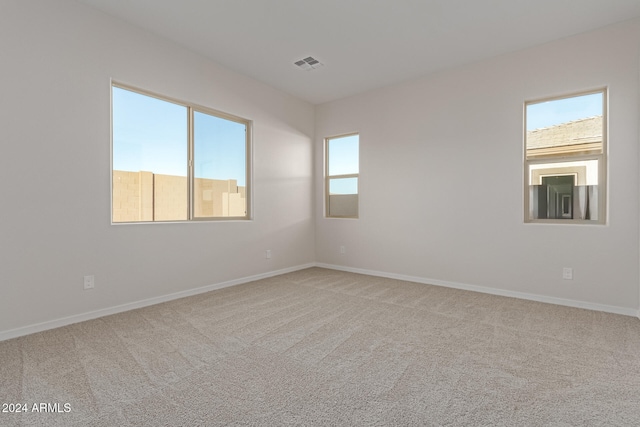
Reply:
x=583, y=135
x=583, y=131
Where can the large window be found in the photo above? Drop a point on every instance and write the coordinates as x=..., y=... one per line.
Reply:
x=175, y=162
x=341, y=176
x=565, y=158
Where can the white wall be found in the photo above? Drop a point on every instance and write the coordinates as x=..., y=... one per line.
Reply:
x=441, y=176
x=424, y=140
x=57, y=59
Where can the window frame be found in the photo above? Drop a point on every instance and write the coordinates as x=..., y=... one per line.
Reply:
x=191, y=109
x=600, y=157
x=328, y=178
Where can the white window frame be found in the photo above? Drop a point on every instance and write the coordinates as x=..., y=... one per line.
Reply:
x=191, y=109
x=601, y=158
x=328, y=178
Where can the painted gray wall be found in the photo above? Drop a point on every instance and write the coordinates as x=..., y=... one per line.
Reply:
x=56, y=64
x=441, y=176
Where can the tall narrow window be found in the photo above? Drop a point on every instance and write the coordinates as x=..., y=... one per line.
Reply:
x=565, y=158
x=341, y=176
x=173, y=161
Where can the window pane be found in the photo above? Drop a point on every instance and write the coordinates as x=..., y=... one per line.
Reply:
x=565, y=126
x=343, y=155
x=564, y=190
x=343, y=197
x=220, y=167
x=149, y=158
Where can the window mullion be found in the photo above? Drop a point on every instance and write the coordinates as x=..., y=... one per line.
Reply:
x=350, y=175
x=190, y=183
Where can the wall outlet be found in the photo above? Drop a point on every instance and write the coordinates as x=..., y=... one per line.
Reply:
x=343, y=250
x=567, y=273
x=267, y=254
x=89, y=282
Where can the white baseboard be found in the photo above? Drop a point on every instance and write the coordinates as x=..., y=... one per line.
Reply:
x=39, y=327
x=505, y=293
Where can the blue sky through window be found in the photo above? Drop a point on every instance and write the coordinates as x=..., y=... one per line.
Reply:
x=219, y=148
x=151, y=134
x=148, y=134
x=553, y=112
x=343, y=159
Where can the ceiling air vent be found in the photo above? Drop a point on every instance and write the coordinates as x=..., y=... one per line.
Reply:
x=309, y=63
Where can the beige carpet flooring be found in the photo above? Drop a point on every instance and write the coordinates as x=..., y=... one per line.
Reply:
x=328, y=348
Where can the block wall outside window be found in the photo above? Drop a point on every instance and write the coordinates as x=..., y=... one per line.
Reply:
x=163, y=197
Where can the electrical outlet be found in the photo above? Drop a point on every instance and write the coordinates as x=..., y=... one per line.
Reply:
x=89, y=282
x=343, y=250
x=567, y=273
x=267, y=254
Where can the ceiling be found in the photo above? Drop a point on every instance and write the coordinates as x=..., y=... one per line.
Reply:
x=363, y=44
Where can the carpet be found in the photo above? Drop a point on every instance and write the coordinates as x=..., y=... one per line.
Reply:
x=319, y=347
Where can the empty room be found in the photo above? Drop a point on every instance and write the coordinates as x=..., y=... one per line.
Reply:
x=335, y=212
